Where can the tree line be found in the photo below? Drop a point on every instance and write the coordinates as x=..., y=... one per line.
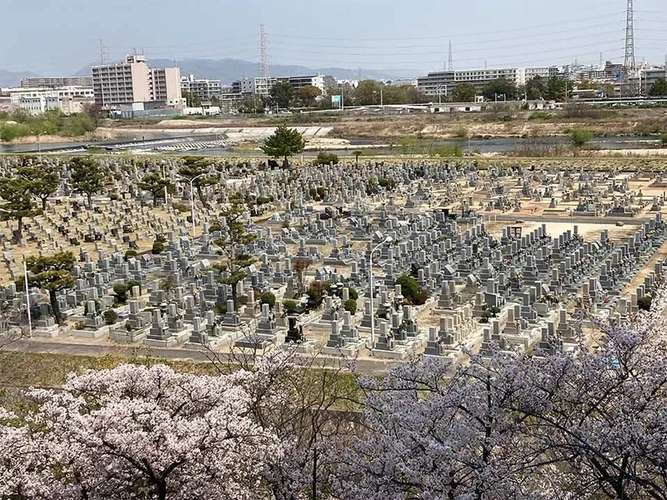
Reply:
x=368, y=92
x=51, y=122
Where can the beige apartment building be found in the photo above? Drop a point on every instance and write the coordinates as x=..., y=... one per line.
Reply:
x=132, y=81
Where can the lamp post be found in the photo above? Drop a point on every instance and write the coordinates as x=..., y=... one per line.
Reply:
x=192, y=202
x=27, y=296
x=388, y=239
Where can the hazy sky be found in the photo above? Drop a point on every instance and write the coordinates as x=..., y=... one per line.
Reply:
x=57, y=37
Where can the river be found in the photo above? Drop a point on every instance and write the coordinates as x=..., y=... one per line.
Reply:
x=499, y=145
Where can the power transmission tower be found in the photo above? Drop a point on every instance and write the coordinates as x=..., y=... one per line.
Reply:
x=629, y=62
x=103, y=52
x=451, y=58
x=264, y=47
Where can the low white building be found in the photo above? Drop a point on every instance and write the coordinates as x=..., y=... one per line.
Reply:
x=35, y=101
x=205, y=89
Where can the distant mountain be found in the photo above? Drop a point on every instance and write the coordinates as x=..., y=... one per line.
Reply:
x=228, y=70
x=12, y=79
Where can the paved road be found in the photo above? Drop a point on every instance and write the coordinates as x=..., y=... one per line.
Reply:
x=628, y=221
x=362, y=365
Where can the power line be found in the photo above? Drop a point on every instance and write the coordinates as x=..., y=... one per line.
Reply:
x=387, y=51
x=392, y=54
x=464, y=34
x=618, y=53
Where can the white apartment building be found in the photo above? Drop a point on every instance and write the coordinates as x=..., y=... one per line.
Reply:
x=253, y=86
x=262, y=86
x=304, y=81
x=43, y=103
x=16, y=94
x=444, y=82
x=648, y=76
x=36, y=101
x=203, y=88
x=133, y=81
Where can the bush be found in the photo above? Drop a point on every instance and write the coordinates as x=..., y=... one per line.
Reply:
x=644, y=303
x=120, y=292
x=129, y=254
x=350, y=305
x=315, y=294
x=110, y=316
x=449, y=152
x=180, y=207
x=387, y=183
x=213, y=228
x=325, y=158
x=411, y=290
x=663, y=140
x=580, y=136
x=539, y=115
x=290, y=306
x=645, y=129
x=132, y=283
x=268, y=298
x=158, y=248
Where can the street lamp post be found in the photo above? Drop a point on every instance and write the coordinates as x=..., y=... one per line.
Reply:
x=27, y=296
x=388, y=239
x=192, y=203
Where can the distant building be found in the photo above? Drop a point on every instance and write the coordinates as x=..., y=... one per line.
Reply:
x=304, y=81
x=444, y=82
x=204, y=89
x=262, y=87
x=613, y=71
x=57, y=82
x=649, y=76
x=402, y=82
x=36, y=101
x=132, y=81
x=253, y=86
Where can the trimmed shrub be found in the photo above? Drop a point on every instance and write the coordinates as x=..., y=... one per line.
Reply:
x=644, y=303
x=129, y=254
x=290, y=306
x=351, y=306
x=326, y=158
x=158, y=248
x=268, y=298
x=110, y=316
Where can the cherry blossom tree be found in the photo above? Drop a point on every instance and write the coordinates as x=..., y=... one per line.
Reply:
x=580, y=424
x=429, y=437
x=306, y=406
x=138, y=432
